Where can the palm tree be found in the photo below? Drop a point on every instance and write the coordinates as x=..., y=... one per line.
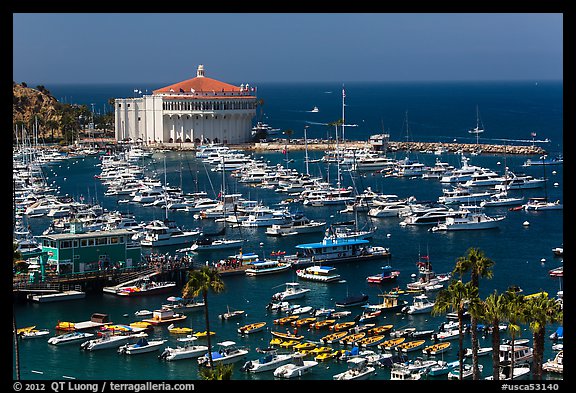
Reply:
x=493, y=310
x=515, y=316
x=540, y=311
x=202, y=281
x=455, y=298
x=479, y=266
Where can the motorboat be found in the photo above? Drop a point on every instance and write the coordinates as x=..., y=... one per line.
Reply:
x=399, y=372
x=386, y=275
x=390, y=302
x=270, y=360
x=442, y=368
x=507, y=373
x=107, y=341
x=69, y=338
x=542, y=203
x=227, y=353
x=208, y=244
x=141, y=346
x=555, y=365
x=296, y=368
x=232, y=314
x=421, y=304
x=252, y=328
x=319, y=273
x=315, y=110
x=34, y=333
x=358, y=368
x=467, y=371
x=469, y=221
x=296, y=225
x=186, y=351
x=293, y=291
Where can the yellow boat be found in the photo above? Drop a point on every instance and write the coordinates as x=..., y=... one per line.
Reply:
x=141, y=324
x=288, y=343
x=323, y=324
x=409, y=346
x=275, y=341
x=203, y=334
x=333, y=337
x=370, y=341
x=438, y=348
x=352, y=338
x=25, y=329
x=304, y=346
x=180, y=330
x=545, y=294
x=286, y=335
x=285, y=320
x=67, y=326
x=303, y=321
x=392, y=343
x=321, y=357
x=252, y=328
x=322, y=349
x=342, y=326
x=379, y=330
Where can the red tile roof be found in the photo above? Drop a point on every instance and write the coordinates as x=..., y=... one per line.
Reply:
x=198, y=85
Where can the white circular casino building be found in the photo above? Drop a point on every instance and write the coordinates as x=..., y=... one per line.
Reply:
x=198, y=110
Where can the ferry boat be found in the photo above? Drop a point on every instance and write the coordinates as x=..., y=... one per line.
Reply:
x=318, y=273
x=337, y=250
x=262, y=268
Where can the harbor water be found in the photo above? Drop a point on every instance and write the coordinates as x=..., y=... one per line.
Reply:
x=521, y=248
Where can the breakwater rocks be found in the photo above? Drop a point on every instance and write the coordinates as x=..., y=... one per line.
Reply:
x=400, y=146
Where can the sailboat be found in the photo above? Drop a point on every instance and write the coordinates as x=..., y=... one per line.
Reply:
x=542, y=203
x=477, y=130
x=502, y=198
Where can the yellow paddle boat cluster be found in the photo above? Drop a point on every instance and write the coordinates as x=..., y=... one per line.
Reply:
x=333, y=337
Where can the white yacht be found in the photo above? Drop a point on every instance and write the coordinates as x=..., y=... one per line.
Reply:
x=297, y=224
x=429, y=215
x=264, y=216
x=111, y=341
x=462, y=195
x=542, y=203
x=469, y=221
x=166, y=233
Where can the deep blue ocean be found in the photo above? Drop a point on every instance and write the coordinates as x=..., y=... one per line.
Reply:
x=436, y=112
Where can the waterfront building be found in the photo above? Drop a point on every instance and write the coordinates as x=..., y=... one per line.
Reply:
x=198, y=110
x=78, y=251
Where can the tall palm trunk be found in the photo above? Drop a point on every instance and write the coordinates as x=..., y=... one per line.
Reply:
x=16, y=348
x=538, y=339
x=205, y=297
x=474, y=339
x=460, y=345
x=495, y=350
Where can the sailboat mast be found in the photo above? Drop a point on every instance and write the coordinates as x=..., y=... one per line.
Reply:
x=343, y=106
x=306, y=145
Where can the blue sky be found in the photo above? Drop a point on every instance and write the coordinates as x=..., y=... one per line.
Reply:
x=50, y=48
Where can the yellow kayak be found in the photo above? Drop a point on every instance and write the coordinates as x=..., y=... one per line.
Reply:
x=203, y=334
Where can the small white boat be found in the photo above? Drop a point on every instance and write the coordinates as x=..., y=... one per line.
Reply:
x=358, y=368
x=269, y=361
x=108, y=341
x=315, y=110
x=296, y=368
x=293, y=291
x=227, y=353
x=69, y=338
x=466, y=371
x=143, y=313
x=141, y=346
x=186, y=351
x=481, y=351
